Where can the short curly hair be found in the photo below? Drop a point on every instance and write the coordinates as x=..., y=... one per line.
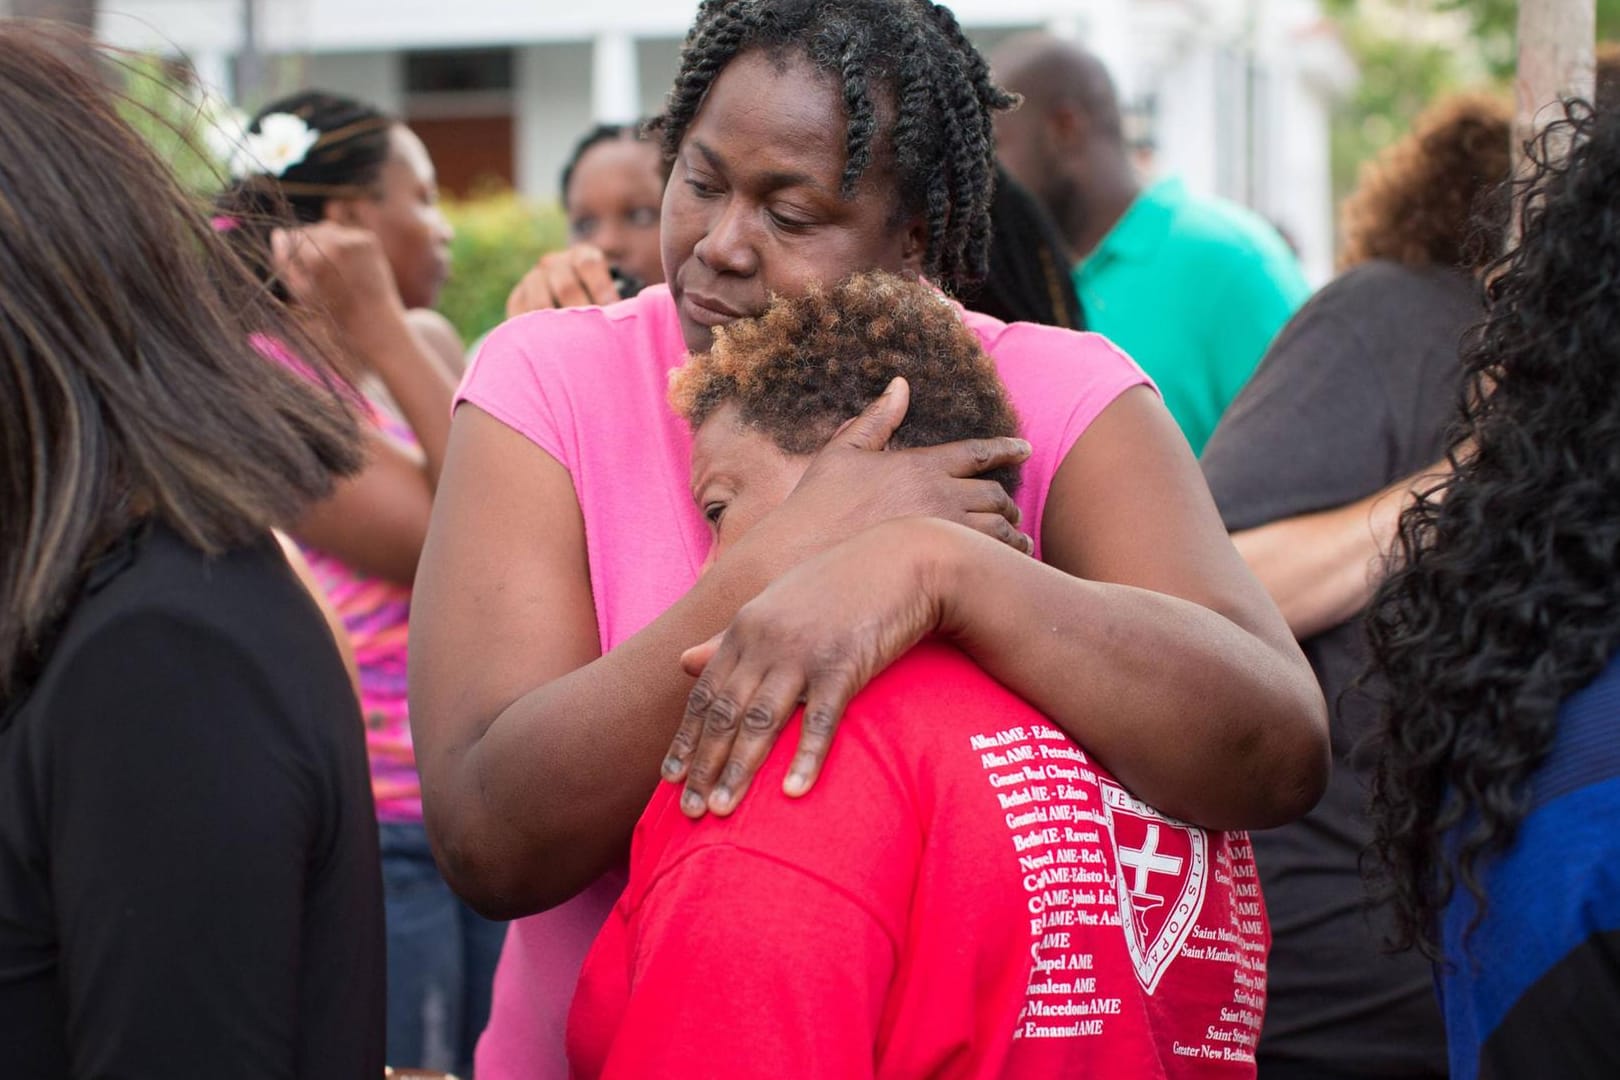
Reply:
x=809, y=363
x=1435, y=197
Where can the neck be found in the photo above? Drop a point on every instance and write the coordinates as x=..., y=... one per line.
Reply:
x=1109, y=189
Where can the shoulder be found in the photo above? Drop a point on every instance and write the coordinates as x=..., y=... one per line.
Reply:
x=1038, y=363
x=547, y=373
x=861, y=829
x=160, y=625
x=552, y=338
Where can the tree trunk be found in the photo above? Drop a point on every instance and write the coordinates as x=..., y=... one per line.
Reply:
x=1555, y=61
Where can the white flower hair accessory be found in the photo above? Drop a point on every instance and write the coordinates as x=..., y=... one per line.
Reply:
x=282, y=141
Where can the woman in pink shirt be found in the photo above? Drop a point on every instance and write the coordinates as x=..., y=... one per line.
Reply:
x=559, y=585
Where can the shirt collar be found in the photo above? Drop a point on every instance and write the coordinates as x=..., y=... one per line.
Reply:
x=1143, y=227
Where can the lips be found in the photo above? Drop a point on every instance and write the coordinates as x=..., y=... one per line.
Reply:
x=708, y=311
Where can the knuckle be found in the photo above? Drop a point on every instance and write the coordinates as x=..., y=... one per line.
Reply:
x=721, y=717
x=701, y=696
x=820, y=721
x=758, y=717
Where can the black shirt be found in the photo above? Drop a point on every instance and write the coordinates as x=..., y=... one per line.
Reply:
x=1356, y=393
x=189, y=882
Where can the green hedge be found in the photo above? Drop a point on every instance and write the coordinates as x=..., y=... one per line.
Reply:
x=498, y=238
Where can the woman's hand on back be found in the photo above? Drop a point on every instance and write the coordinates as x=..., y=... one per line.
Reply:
x=858, y=599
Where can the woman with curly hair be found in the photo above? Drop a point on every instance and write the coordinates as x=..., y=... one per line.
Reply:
x=1353, y=398
x=1495, y=800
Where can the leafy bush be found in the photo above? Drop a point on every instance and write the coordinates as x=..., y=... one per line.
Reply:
x=498, y=238
x=179, y=122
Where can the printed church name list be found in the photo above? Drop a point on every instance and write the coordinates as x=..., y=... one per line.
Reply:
x=1061, y=831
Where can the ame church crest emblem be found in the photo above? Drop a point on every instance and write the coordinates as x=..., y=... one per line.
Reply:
x=1163, y=874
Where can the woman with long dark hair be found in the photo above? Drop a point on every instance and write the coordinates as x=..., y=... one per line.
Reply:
x=366, y=260
x=188, y=861
x=1495, y=802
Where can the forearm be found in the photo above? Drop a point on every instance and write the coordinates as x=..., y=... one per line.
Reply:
x=416, y=380
x=1321, y=568
x=545, y=798
x=1207, y=720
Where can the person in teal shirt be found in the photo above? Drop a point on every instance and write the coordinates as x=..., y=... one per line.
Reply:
x=1193, y=288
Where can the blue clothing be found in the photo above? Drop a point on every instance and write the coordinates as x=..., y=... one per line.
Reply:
x=1535, y=990
x=441, y=959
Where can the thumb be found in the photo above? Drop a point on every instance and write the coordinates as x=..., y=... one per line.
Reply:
x=872, y=429
x=695, y=659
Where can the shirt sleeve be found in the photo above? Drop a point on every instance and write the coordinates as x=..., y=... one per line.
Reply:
x=744, y=965
x=184, y=819
x=1312, y=429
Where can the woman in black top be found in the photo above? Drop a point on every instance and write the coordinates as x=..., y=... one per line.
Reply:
x=188, y=858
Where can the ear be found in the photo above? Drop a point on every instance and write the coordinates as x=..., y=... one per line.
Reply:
x=914, y=245
x=1066, y=125
x=341, y=212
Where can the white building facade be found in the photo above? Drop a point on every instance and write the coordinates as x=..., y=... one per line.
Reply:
x=1232, y=95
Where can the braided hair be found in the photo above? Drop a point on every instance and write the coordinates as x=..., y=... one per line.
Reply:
x=1029, y=263
x=346, y=159
x=912, y=51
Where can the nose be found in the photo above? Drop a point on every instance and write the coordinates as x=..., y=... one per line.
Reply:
x=443, y=231
x=610, y=237
x=728, y=245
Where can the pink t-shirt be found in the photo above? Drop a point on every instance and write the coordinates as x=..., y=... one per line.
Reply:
x=588, y=385
x=376, y=614
x=964, y=895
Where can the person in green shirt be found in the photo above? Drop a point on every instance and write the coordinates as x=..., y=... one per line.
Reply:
x=1193, y=288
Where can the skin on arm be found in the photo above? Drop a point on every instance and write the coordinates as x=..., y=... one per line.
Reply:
x=537, y=753
x=1165, y=659
x=1322, y=568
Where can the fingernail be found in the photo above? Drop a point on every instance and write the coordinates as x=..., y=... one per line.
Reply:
x=1024, y=448
x=720, y=800
x=887, y=390
x=692, y=803
x=671, y=768
x=797, y=783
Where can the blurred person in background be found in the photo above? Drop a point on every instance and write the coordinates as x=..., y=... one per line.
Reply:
x=1496, y=796
x=1192, y=288
x=364, y=265
x=1310, y=467
x=188, y=859
x=612, y=192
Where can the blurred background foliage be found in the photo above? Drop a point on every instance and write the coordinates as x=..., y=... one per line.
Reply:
x=1412, y=51
x=1408, y=52
x=498, y=238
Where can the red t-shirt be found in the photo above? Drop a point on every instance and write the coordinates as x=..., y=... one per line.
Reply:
x=948, y=901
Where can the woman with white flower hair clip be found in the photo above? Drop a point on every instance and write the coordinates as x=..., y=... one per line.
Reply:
x=343, y=198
